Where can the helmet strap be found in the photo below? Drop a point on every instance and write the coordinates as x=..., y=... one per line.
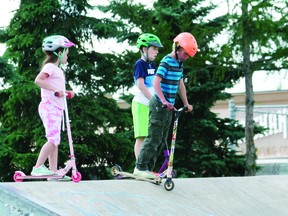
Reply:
x=176, y=55
x=146, y=57
x=60, y=57
x=175, y=50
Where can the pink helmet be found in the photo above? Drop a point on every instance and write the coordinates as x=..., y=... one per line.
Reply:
x=54, y=42
x=187, y=42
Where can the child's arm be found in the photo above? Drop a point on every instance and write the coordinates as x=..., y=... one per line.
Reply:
x=143, y=88
x=183, y=95
x=159, y=92
x=40, y=81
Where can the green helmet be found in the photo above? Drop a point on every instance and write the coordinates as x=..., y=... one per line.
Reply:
x=147, y=40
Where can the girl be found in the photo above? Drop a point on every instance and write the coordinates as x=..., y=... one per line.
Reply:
x=51, y=79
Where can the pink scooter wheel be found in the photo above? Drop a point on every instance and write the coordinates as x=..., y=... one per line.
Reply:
x=77, y=178
x=17, y=175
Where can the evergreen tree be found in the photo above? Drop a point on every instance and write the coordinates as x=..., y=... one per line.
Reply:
x=258, y=34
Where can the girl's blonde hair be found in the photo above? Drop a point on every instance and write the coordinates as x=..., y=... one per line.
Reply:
x=51, y=57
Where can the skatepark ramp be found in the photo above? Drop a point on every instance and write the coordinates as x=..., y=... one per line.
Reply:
x=225, y=196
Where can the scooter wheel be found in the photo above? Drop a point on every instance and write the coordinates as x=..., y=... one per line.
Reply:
x=158, y=181
x=169, y=185
x=115, y=170
x=16, y=177
x=77, y=178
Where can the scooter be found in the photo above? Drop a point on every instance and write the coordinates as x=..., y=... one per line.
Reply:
x=19, y=176
x=117, y=172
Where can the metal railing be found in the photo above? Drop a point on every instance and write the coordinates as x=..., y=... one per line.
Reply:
x=273, y=117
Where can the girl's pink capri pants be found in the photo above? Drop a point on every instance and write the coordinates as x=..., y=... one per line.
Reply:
x=51, y=117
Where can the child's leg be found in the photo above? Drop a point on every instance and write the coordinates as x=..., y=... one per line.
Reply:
x=46, y=150
x=39, y=169
x=51, y=117
x=53, y=159
x=138, y=146
x=157, y=122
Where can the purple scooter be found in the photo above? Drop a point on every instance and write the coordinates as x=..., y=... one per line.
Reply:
x=166, y=171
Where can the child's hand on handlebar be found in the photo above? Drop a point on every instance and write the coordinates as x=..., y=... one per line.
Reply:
x=58, y=93
x=168, y=105
x=189, y=108
x=68, y=94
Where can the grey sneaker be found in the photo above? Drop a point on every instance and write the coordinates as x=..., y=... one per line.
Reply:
x=144, y=174
x=41, y=171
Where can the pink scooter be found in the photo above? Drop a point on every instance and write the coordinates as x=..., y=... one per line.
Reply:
x=19, y=176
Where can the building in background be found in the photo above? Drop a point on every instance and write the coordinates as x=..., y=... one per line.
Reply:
x=270, y=111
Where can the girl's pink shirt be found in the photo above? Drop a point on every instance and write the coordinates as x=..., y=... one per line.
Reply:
x=56, y=79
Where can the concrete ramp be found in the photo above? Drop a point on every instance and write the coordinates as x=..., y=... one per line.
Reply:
x=227, y=196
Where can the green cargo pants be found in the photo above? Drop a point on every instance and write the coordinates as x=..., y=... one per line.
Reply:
x=159, y=123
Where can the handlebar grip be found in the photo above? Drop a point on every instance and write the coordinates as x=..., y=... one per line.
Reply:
x=68, y=95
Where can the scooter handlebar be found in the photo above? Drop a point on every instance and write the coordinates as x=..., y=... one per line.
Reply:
x=67, y=94
x=182, y=109
x=185, y=108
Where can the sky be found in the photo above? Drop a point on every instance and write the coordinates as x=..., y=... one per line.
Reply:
x=6, y=8
x=261, y=80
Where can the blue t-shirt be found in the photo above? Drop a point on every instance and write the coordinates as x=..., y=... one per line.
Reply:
x=145, y=70
x=171, y=73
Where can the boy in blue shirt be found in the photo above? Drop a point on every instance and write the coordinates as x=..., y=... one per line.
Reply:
x=144, y=72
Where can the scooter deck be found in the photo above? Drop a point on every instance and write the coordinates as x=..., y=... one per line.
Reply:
x=21, y=176
x=40, y=177
x=156, y=180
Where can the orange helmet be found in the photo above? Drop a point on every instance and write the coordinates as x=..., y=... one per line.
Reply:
x=187, y=42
